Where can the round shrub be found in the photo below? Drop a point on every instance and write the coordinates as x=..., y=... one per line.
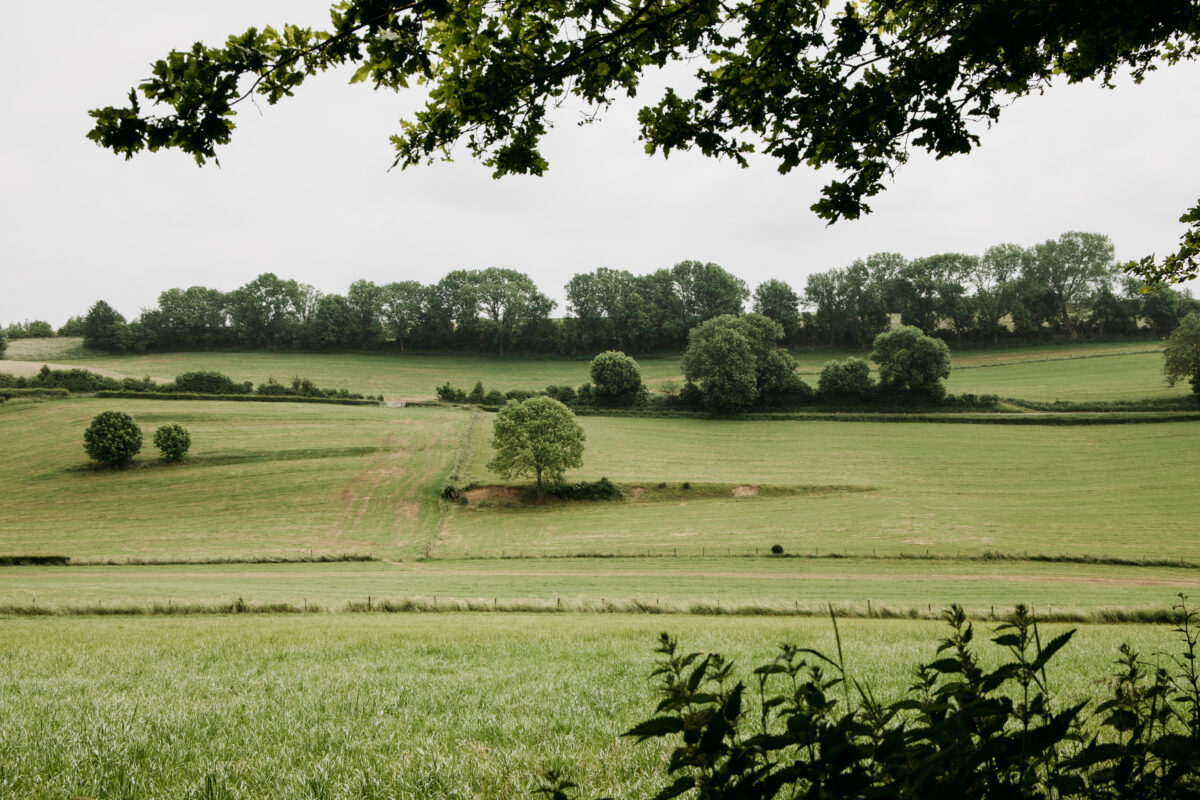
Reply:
x=777, y=549
x=845, y=380
x=112, y=438
x=172, y=441
x=206, y=382
x=616, y=379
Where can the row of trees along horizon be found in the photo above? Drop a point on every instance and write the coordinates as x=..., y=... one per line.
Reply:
x=1063, y=287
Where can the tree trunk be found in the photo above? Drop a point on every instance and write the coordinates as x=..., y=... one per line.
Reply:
x=1067, y=322
x=539, y=484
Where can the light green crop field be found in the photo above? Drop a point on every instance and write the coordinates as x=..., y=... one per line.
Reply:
x=882, y=489
x=396, y=706
x=1078, y=372
x=407, y=376
x=279, y=478
x=667, y=585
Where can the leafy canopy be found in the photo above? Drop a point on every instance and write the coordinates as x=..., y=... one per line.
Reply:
x=910, y=361
x=537, y=437
x=1181, y=355
x=616, y=379
x=112, y=438
x=854, y=87
x=734, y=362
x=173, y=441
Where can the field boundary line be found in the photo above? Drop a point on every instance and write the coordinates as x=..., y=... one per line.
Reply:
x=438, y=604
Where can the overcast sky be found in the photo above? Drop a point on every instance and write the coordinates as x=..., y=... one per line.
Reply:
x=304, y=189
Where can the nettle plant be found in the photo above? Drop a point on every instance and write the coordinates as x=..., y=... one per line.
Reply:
x=800, y=729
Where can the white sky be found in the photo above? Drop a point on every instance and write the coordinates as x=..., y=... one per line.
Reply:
x=304, y=190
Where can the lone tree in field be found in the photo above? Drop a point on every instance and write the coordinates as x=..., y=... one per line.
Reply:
x=172, y=441
x=113, y=438
x=537, y=437
x=616, y=379
x=911, y=363
x=1181, y=356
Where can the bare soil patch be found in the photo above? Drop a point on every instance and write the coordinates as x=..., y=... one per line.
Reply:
x=504, y=494
x=745, y=490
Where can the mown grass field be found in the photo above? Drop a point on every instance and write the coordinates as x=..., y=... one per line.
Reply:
x=260, y=479
x=1106, y=490
x=1074, y=372
x=397, y=706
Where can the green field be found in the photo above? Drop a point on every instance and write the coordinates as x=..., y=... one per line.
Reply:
x=261, y=479
x=397, y=706
x=1076, y=372
x=1105, y=490
x=106, y=696
x=722, y=584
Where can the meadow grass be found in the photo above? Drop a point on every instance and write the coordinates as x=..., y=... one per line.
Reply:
x=1125, y=491
x=270, y=479
x=462, y=706
x=395, y=375
x=745, y=585
x=1076, y=371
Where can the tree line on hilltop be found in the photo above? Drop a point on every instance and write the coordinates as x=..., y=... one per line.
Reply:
x=1064, y=287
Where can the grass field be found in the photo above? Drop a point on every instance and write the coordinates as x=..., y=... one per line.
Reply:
x=670, y=585
x=408, y=706
x=454, y=705
x=1116, y=490
x=1077, y=372
x=261, y=478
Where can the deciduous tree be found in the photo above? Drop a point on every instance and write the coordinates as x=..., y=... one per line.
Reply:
x=1071, y=267
x=538, y=437
x=911, y=363
x=1181, y=355
x=616, y=379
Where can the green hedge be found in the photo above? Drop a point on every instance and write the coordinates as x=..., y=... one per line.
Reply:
x=34, y=561
x=236, y=398
x=6, y=393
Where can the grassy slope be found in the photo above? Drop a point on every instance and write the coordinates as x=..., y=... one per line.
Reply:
x=669, y=584
x=1096, y=490
x=261, y=478
x=1104, y=371
x=396, y=706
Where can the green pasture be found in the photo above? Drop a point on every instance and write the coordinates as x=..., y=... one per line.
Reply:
x=1075, y=372
x=1131, y=376
x=397, y=706
x=724, y=584
x=394, y=375
x=260, y=479
x=288, y=479
x=869, y=489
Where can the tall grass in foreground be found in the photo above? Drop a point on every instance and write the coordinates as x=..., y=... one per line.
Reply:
x=390, y=706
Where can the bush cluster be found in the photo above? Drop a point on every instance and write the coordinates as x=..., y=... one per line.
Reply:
x=491, y=398
x=29, y=329
x=963, y=729
x=603, y=489
x=114, y=438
